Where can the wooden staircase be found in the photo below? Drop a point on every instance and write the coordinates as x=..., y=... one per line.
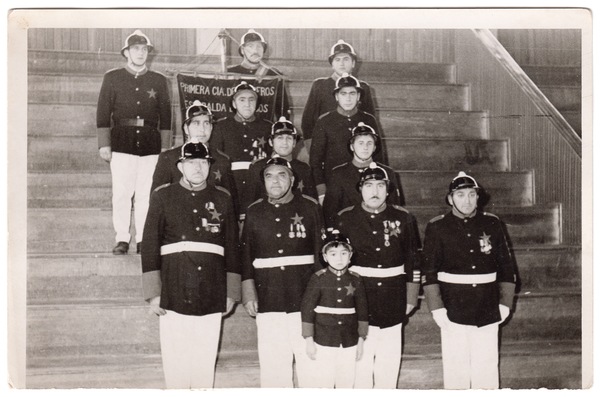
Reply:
x=88, y=326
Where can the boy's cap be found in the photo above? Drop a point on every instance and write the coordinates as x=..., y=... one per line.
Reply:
x=334, y=237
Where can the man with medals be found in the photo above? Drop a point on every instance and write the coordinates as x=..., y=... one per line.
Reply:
x=385, y=239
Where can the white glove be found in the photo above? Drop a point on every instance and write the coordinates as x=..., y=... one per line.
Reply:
x=504, y=313
x=440, y=316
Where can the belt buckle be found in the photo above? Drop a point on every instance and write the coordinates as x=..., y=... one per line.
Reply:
x=139, y=122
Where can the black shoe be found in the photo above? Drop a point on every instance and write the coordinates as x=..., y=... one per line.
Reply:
x=121, y=248
x=139, y=248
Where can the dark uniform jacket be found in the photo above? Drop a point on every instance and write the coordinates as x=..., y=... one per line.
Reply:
x=166, y=171
x=329, y=290
x=304, y=182
x=342, y=193
x=282, y=103
x=329, y=146
x=244, y=142
x=192, y=279
x=136, y=106
x=387, y=296
x=274, y=236
x=470, y=246
x=321, y=100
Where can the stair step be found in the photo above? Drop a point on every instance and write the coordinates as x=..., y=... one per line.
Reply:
x=71, y=62
x=62, y=153
x=554, y=75
x=419, y=154
x=550, y=365
x=84, y=89
x=127, y=327
x=563, y=97
x=64, y=278
x=91, y=230
x=93, y=189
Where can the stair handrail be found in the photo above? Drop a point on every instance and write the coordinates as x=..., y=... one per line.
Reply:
x=529, y=88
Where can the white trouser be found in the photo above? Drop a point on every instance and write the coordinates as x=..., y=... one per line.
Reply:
x=189, y=347
x=333, y=367
x=131, y=179
x=380, y=363
x=470, y=356
x=280, y=341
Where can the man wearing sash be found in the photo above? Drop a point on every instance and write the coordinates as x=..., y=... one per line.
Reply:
x=385, y=240
x=281, y=242
x=191, y=269
x=469, y=283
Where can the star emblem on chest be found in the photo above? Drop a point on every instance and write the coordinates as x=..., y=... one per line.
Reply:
x=485, y=238
x=350, y=289
x=395, y=232
x=218, y=175
x=300, y=186
x=215, y=215
x=151, y=93
x=261, y=141
x=297, y=219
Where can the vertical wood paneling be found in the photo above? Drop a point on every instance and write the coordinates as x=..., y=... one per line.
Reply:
x=548, y=47
x=535, y=142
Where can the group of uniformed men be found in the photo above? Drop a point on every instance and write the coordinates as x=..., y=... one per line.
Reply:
x=244, y=174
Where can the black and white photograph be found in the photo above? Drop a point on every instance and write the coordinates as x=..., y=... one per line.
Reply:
x=277, y=198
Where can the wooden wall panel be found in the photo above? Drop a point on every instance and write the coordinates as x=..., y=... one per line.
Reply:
x=536, y=142
x=543, y=47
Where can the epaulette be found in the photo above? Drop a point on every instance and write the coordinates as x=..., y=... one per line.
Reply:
x=325, y=114
x=112, y=70
x=490, y=214
x=161, y=187
x=222, y=153
x=353, y=273
x=400, y=208
x=346, y=210
x=367, y=113
x=338, y=166
x=221, y=119
x=256, y=202
x=310, y=198
x=437, y=218
x=320, y=272
x=221, y=188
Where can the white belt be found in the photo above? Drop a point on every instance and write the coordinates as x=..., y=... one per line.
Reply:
x=378, y=272
x=240, y=165
x=265, y=263
x=335, y=310
x=466, y=278
x=192, y=246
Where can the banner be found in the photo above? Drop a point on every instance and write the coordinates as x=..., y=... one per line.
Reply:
x=215, y=91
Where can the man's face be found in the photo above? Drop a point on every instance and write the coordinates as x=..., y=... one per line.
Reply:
x=363, y=147
x=464, y=200
x=137, y=54
x=245, y=103
x=374, y=193
x=338, y=257
x=283, y=144
x=194, y=170
x=253, y=51
x=278, y=181
x=347, y=98
x=199, y=128
x=343, y=63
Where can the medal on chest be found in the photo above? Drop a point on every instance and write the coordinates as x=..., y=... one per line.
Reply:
x=209, y=224
x=390, y=228
x=485, y=244
x=297, y=229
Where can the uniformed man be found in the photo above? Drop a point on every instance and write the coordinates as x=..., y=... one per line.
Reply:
x=332, y=131
x=363, y=144
x=242, y=137
x=135, y=102
x=469, y=283
x=197, y=127
x=342, y=59
x=252, y=49
x=281, y=241
x=283, y=140
x=385, y=239
x=191, y=268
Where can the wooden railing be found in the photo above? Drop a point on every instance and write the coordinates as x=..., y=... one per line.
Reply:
x=540, y=138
